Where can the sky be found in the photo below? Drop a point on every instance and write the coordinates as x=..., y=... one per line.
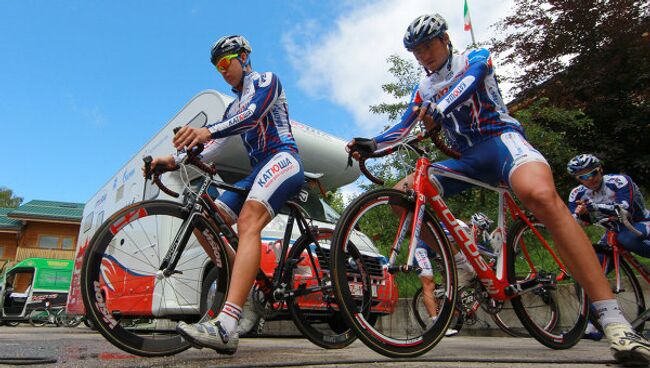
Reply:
x=85, y=84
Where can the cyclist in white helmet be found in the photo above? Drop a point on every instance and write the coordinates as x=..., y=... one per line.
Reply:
x=259, y=115
x=596, y=197
x=460, y=93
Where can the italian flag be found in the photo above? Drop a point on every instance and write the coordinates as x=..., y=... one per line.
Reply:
x=468, y=21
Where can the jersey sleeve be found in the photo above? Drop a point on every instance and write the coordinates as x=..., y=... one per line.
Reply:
x=624, y=189
x=479, y=65
x=400, y=130
x=267, y=90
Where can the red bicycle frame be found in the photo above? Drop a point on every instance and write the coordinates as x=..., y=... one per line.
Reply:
x=496, y=283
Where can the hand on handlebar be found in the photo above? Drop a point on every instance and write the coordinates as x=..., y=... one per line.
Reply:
x=165, y=162
x=190, y=137
x=359, y=147
x=430, y=114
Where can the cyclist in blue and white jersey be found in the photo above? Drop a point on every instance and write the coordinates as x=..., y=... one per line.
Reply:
x=596, y=196
x=460, y=93
x=259, y=115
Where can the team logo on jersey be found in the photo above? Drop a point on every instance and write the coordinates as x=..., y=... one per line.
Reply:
x=269, y=175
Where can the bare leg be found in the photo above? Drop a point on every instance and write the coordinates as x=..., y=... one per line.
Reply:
x=252, y=219
x=534, y=186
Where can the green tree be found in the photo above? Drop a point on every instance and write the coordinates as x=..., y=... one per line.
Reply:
x=592, y=55
x=7, y=198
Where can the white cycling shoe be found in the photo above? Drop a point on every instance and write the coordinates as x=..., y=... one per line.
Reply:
x=628, y=347
x=209, y=335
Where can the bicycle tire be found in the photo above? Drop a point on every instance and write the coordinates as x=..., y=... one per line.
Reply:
x=39, y=317
x=631, y=304
x=127, y=299
x=322, y=326
x=555, y=314
x=361, y=276
x=506, y=319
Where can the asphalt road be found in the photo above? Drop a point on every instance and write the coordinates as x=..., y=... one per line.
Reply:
x=81, y=347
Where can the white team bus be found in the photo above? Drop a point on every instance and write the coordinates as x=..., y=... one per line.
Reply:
x=321, y=153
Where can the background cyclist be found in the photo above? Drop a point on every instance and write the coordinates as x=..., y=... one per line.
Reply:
x=460, y=92
x=259, y=114
x=597, y=195
x=595, y=199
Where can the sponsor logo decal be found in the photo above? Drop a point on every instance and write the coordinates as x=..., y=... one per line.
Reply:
x=216, y=250
x=274, y=171
x=101, y=200
x=124, y=220
x=461, y=234
x=101, y=306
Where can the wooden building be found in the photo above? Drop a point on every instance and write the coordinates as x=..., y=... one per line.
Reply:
x=39, y=229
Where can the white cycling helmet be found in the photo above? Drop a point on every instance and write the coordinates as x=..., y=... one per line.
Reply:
x=480, y=220
x=582, y=162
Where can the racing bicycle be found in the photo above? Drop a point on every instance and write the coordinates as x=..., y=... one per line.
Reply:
x=157, y=262
x=551, y=306
x=621, y=269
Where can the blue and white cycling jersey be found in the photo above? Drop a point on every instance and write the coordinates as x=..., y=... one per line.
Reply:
x=468, y=96
x=615, y=189
x=260, y=115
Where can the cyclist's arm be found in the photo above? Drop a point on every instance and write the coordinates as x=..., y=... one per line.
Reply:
x=575, y=198
x=210, y=153
x=267, y=90
x=400, y=130
x=479, y=65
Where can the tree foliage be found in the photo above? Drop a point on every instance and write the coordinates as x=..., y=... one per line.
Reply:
x=591, y=55
x=8, y=199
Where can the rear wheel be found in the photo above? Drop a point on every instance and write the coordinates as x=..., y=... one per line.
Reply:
x=39, y=317
x=314, y=309
x=128, y=299
x=628, y=293
x=556, y=313
x=372, y=277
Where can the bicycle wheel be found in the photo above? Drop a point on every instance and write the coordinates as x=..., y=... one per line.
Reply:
x=39, y=317
x=313, y=308
x=68, y=320
x=556, y=313
x=628, y=294
x=129, y=300
x=371, y=279
x=507, y=321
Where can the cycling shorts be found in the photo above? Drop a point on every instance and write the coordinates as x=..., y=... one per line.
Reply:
x=492, y=161
x=272, y=182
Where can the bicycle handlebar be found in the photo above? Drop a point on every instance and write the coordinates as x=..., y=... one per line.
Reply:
x=191, y=159
x=412, y=143
x=622, y=216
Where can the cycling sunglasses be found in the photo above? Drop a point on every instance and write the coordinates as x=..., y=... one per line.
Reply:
x=588, y=175
x=223, y=63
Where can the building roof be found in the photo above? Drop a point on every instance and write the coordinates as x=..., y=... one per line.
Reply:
x=6, y=223
x=48, y=210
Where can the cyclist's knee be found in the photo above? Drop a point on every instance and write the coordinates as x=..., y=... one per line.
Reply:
x=253, y=217
x=540, y=197
x=427, y=283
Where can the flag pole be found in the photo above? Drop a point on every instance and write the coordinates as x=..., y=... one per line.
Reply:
x=468, y=24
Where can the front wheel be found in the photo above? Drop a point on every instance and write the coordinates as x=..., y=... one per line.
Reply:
x=128, y=299
x=375, y=282
x=555, y=313
x=314, y=309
